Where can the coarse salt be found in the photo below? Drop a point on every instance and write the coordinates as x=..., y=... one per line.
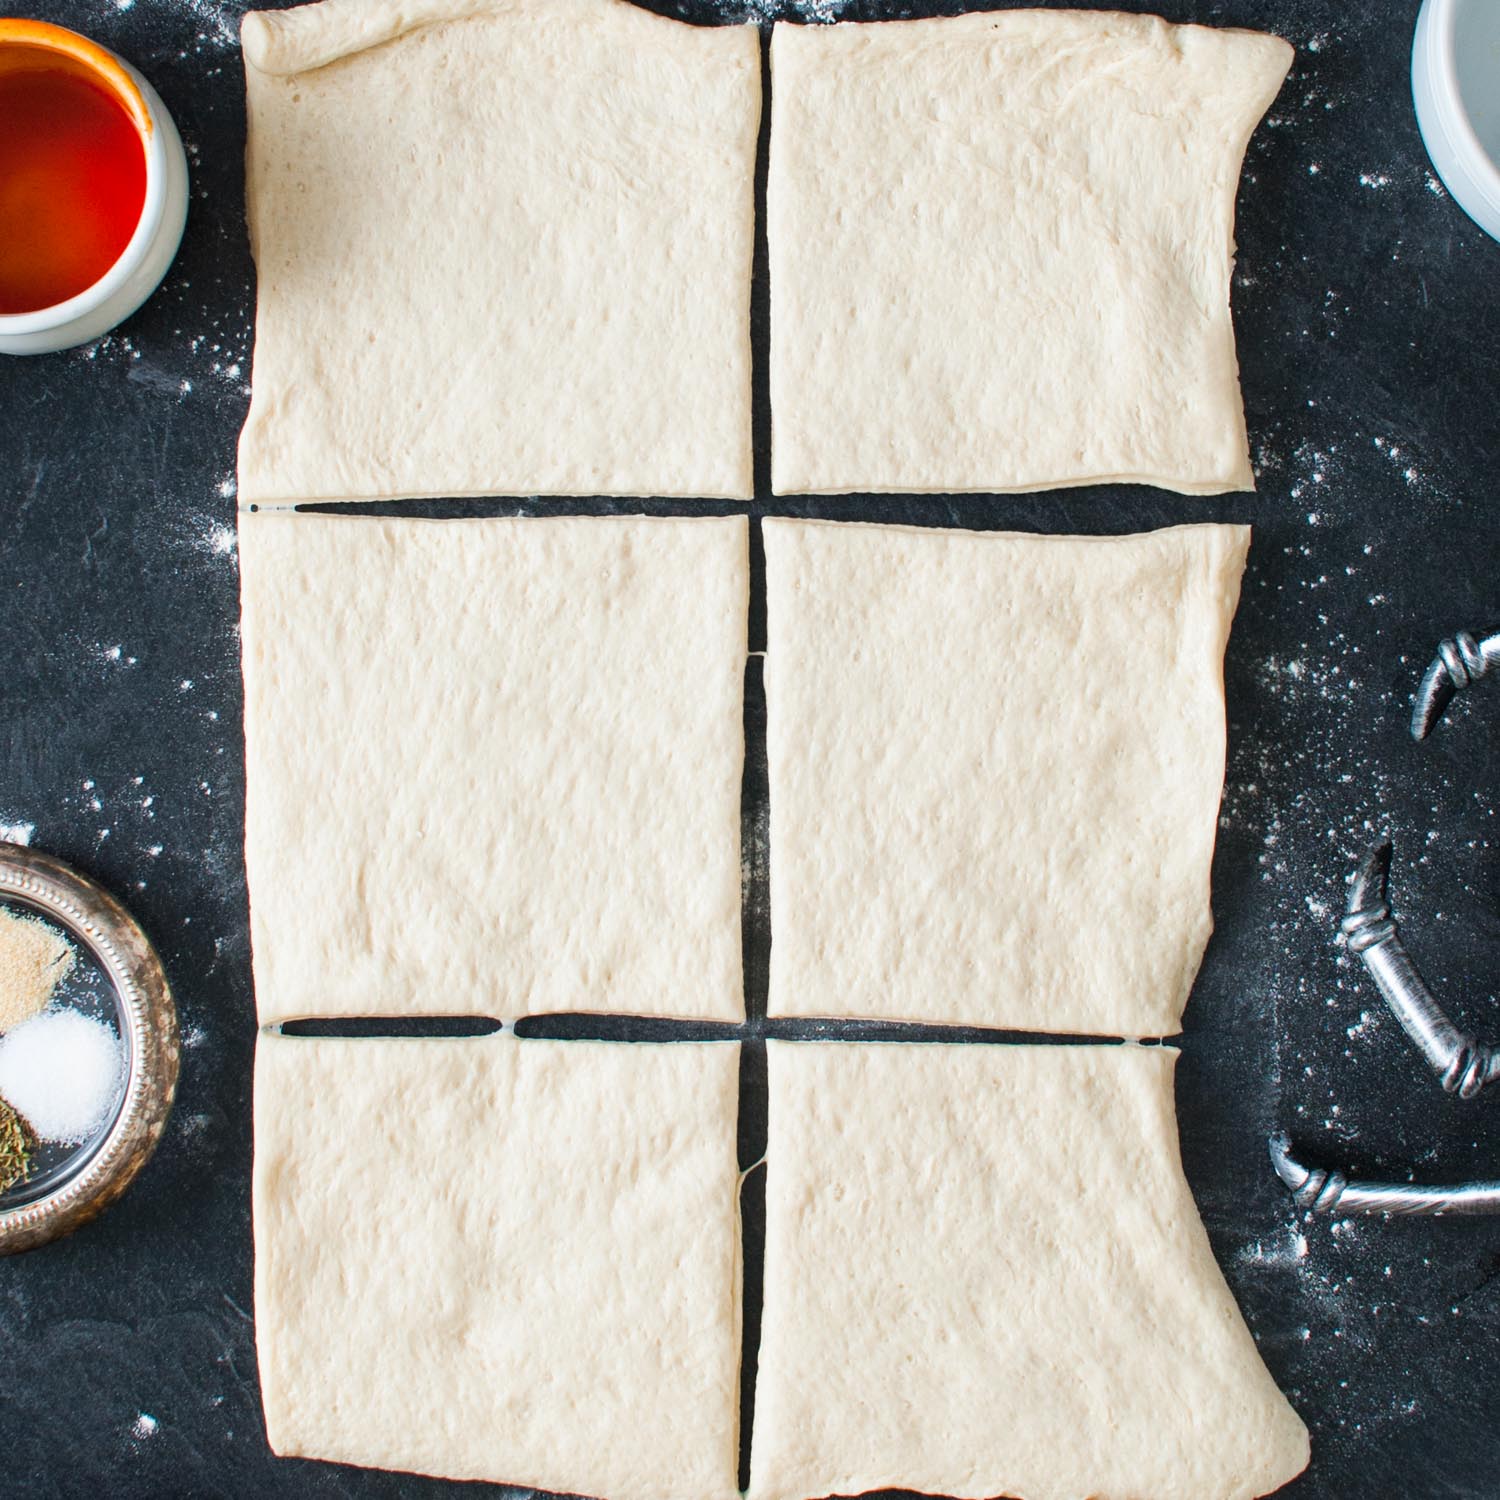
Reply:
x=62, y=1072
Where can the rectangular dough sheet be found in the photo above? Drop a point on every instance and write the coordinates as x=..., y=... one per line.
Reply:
x=996, y=763
x=1001, y=247
x=499, y=1259
x=501, y=247
x=985, y=1275
x=493, y=766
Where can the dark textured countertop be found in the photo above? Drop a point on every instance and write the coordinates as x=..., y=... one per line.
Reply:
x=1366, y=306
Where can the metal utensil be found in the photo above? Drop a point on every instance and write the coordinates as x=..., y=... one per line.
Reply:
x=1332, y=1194
x=1459, y=663
x=1463, y=1064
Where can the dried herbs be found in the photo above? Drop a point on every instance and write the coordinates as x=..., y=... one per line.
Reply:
x=15, y=1148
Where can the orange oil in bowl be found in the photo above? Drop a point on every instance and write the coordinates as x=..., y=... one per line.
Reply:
x=72, y=178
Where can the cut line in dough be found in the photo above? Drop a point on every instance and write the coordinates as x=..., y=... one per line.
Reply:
x=995, y=769
x=501, y=247
x=493, y=766
x=1000, y=251
x=985, y=1275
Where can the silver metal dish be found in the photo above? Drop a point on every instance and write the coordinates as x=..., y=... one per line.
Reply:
x=58, y=1200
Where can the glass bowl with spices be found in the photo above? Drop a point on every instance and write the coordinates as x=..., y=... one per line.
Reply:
x=89, y=1048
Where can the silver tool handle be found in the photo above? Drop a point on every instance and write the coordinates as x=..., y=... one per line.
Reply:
x=1464, y=1064
x=1333, y=1194
x=1458, y=663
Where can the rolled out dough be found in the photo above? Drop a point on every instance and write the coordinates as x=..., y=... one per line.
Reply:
x=996, y=763
x=1000, y=250
x=500, y=1259
x=984, y=1275
x=501, y=247
x=493, y=766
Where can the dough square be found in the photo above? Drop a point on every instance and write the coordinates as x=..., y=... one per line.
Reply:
x=996, y=763
x=501, y=247
x=985, y=1275
x=1001, y=247
x=493, y=766
x=501, y=1259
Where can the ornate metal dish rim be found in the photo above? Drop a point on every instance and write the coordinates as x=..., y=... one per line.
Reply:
x=96, y=920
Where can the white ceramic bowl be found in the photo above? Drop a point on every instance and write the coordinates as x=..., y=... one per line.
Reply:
x=1455, y=80
x=146, y=257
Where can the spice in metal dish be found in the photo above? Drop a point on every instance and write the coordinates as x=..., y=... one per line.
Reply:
x=34, y=959
x=15, y=1148
x=63, y=1073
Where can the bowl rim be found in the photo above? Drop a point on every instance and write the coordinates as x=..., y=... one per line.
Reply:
x=1439, y=21
x=146, y=110
x=123, y=952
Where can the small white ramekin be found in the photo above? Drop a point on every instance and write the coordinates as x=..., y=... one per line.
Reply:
x=144, y=261
x=1445, y=87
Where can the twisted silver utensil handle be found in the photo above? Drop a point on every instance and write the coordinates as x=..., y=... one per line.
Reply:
x=1332, y=1194
x=1463, y=1063
x=1459, y=663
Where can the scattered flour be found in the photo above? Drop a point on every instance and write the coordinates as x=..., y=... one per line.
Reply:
x=816, y=11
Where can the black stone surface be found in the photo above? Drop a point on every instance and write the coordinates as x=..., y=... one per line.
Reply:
x=1366, y=307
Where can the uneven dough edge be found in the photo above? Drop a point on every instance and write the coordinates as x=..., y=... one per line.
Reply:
x=1239, y=532
x=1273, y=60
x=1274, y=1447
x=782, y=486
x=308, y=37
x=1217, y=604
x=286, y=1067
x=1210, y=600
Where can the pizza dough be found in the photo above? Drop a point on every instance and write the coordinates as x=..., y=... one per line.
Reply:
x=995, y=764
x=505, y=1260
x=502, y=247
x=1000, y=250
x=984, y=1275
x=493, y=766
